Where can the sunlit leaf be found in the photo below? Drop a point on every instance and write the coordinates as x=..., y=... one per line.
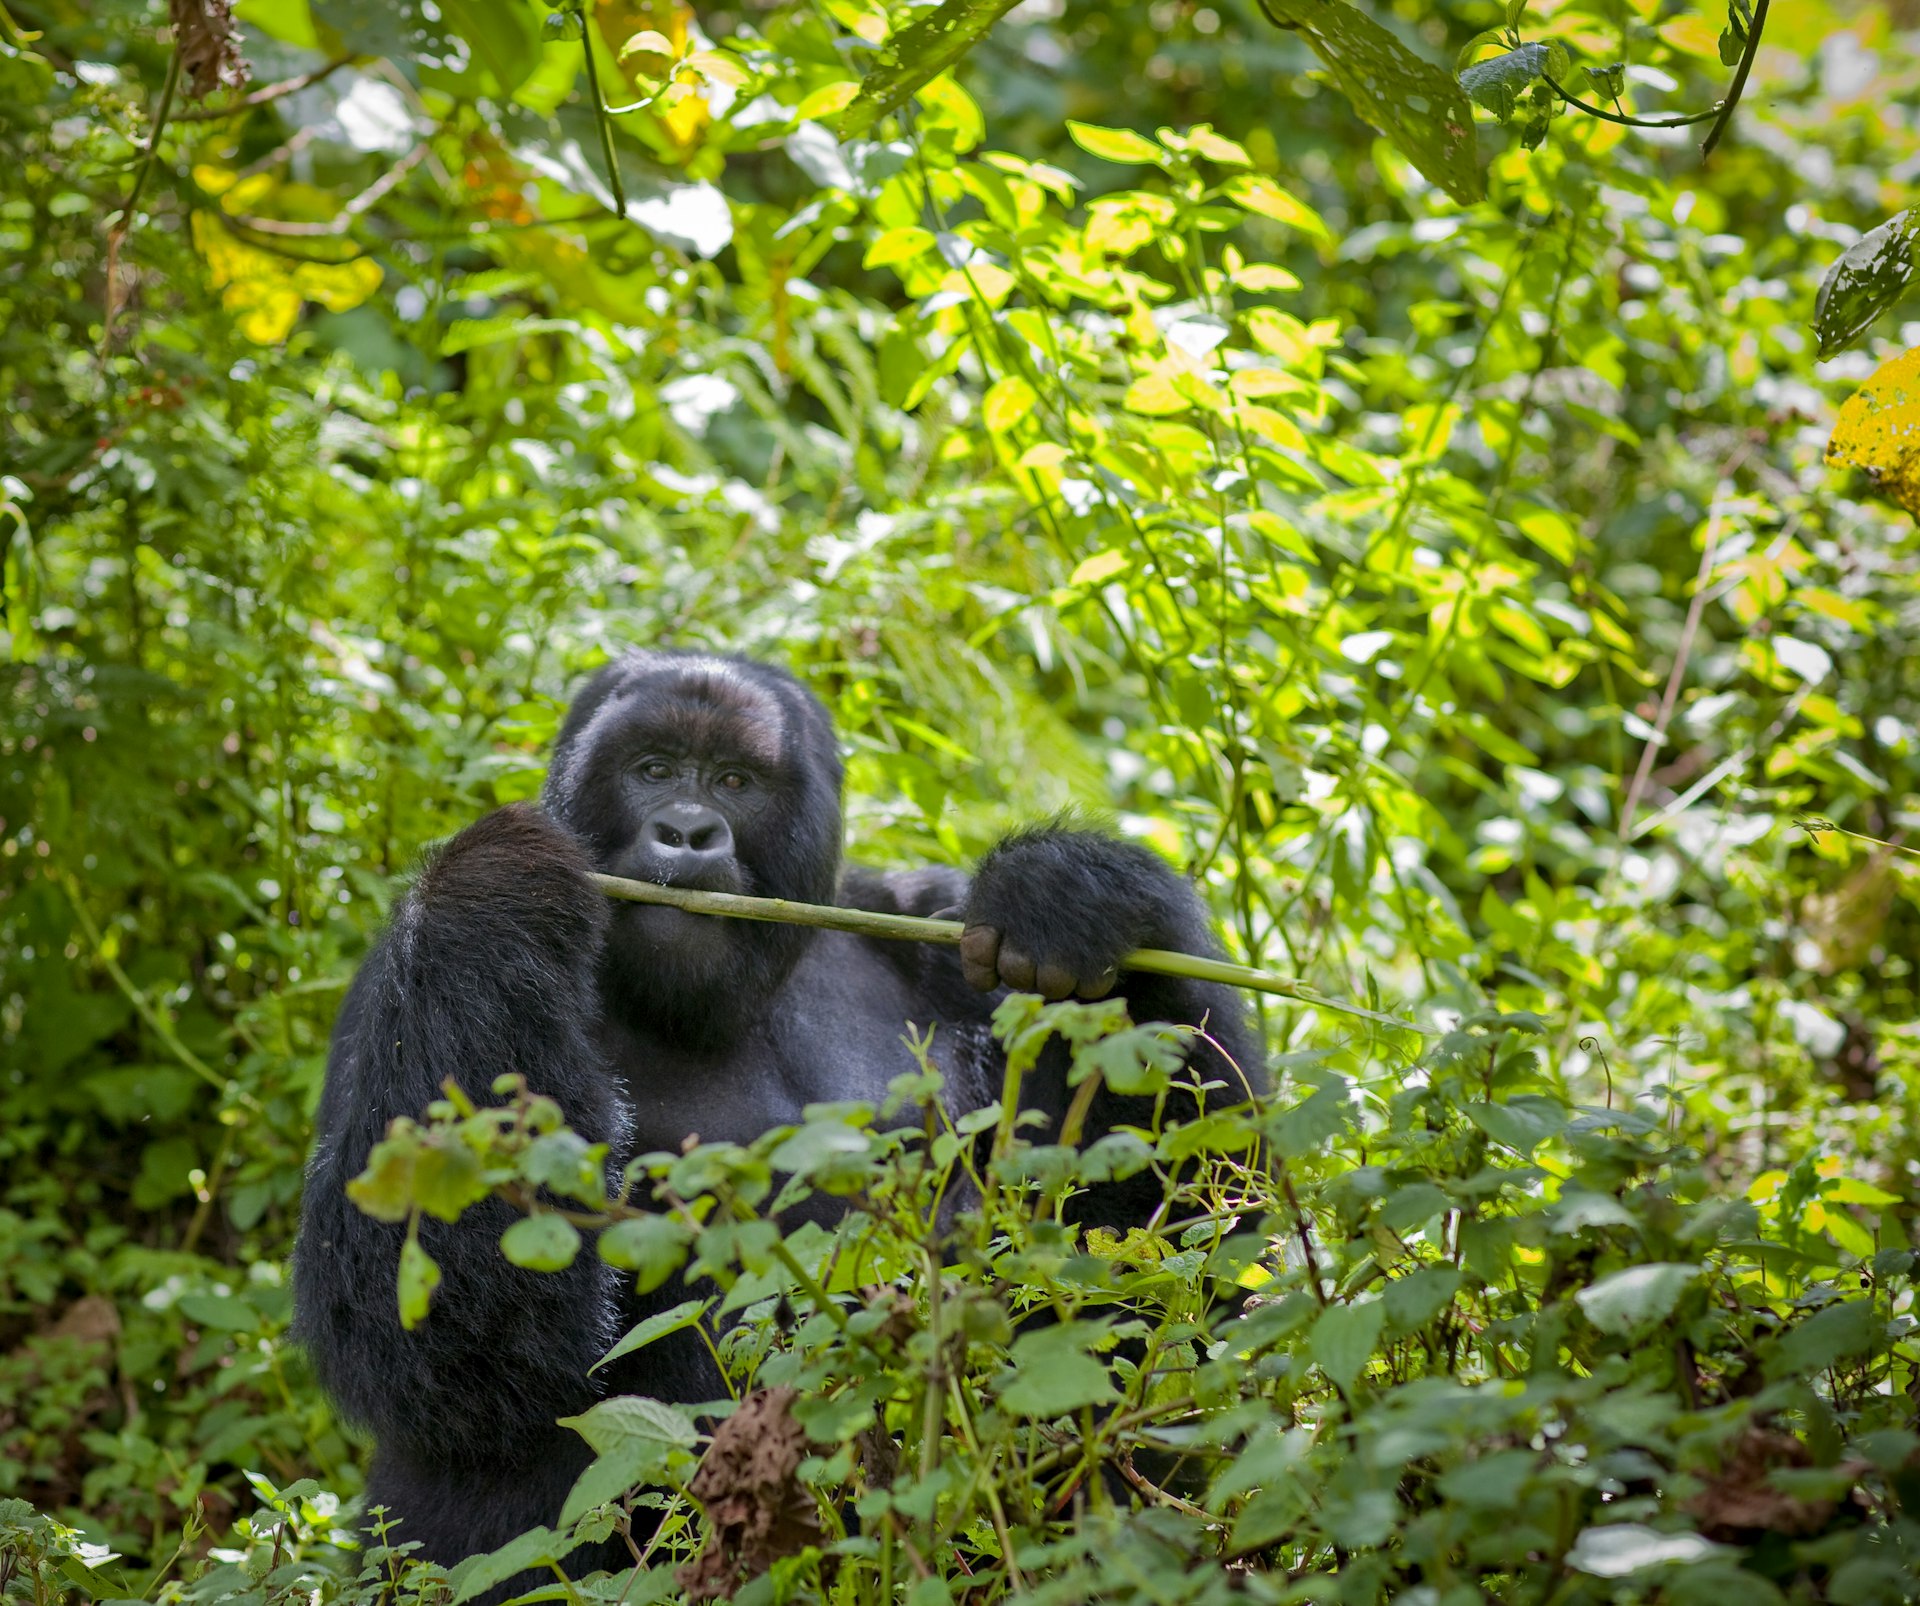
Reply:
x=1879, y=429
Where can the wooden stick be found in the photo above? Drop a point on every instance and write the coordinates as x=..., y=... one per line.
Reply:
x=916, y=928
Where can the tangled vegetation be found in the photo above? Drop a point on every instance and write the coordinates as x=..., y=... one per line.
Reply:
x=1370, y=453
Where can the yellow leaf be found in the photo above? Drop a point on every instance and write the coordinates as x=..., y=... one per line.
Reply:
x=1879, y=430
x=1694, y=35
x=1010, y=400
x=1101, y=566
x=1276, y=427
x=825, y=102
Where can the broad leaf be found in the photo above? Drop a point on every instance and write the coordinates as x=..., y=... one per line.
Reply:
x=1421, y=108
x=1869, y=276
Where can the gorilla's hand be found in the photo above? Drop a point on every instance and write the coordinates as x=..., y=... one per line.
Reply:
x=1053, y=912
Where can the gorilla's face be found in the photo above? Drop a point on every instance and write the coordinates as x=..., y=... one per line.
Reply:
x=714, y=773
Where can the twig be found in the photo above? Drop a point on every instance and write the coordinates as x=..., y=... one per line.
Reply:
x=915, y=928
x=600, y=113
x=123, y=224
x=266, y=93
x=1739, y=83
x=1709, y=551
x=342, y=220
x=1627, y=121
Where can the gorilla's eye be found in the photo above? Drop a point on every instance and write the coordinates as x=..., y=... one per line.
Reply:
x=656, y=769
x=732, y=780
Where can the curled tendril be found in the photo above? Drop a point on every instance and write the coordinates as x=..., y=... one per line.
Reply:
x=1591, y=1045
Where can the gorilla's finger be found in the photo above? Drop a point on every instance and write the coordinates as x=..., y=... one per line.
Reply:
x=1054, y=981
x=1100, y=985
x=980, y=957
x=1016, y=969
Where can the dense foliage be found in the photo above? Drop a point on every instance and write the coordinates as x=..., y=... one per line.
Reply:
x=1422, y=536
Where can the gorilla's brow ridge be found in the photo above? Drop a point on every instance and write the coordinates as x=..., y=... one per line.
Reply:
x=703, y=704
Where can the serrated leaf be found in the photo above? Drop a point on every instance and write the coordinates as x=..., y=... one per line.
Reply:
x=1629, y=1300
x=632, y=1419
x=1343, y=1337
x=541, y=1243
x=1868, y=277
x=652, y=1247
x=1053, y=1373
x=1417, y=105
x=675, y=1319
x=1835, y=1334
x=447, y=1177
x=1415, y=1299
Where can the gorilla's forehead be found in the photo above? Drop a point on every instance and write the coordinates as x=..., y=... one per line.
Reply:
x=698, y=705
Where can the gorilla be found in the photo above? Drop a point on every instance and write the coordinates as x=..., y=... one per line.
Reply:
x=649, y=1025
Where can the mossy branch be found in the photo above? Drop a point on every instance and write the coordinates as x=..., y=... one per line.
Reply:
x=916, y=928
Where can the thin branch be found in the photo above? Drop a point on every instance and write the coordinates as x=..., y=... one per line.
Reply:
x=914, y=928
x=1739, y=84
x=338, y=224
x=266, y=93
x=1710, y=550
x=1625, y=119
x=600, y=113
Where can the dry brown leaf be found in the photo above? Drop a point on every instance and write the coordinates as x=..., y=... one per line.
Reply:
x=209, y=50
x=1879, y=430
x=757, y=1507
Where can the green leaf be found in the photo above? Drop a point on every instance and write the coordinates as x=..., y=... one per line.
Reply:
x=537, y=1548
x=633, y=1419
x=384, y=1189
x=1053, y=1373
x=1343, y=1338
x=1414, y=1300
x=917, y=55
x=447, y=1177
x=419, y=1277
x=1421, y=108
x=676, y=1319
x=653, y=1248
x=544, y=1242
x=1523, y=1123
x=1870, y=275
x=1497, y=83
x=219, y=1310
x=1115, y=144
x=1629, y=1300
x=1835, y=1334
x=502, y=35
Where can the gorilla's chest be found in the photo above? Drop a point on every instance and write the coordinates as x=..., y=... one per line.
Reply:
x=836, y=1029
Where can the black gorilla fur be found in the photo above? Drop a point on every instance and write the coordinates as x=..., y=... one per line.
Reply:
x=647, y=1025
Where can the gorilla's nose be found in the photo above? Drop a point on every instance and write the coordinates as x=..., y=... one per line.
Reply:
x=685, y=838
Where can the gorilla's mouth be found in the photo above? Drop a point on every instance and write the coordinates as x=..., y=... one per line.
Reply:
x=643, y=866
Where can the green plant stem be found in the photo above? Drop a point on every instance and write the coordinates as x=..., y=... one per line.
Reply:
x=1739, y=84
x=1627, y=121
x=160, y=116
x=915, y=928
x=600, y=116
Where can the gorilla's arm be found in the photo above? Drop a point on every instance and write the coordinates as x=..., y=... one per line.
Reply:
x=487, y=968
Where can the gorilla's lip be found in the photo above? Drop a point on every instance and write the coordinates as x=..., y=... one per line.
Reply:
x=720, y=879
